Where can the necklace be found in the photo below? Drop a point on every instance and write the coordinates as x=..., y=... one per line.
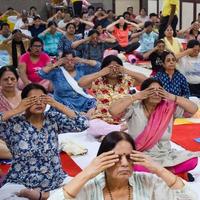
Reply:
x=147, y=111
x=110, y=193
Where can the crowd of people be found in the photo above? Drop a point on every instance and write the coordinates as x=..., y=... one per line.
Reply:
x=67, y=74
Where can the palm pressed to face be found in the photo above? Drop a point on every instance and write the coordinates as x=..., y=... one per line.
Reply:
x=39, y=105
x=122, y=169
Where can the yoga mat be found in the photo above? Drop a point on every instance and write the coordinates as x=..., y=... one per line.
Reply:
x=68, y=165
x=184, y=136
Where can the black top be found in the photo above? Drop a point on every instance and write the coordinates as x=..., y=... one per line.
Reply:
x=156, y=61
x=36, y=31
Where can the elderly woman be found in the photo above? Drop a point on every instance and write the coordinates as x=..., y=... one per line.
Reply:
x=31, y=62
x=64, y=79
x=171, y=43
x=112, y=82
x=172, y=80
x=32, y=138
x=150, y=115
x=110, y=176
x=10, y=97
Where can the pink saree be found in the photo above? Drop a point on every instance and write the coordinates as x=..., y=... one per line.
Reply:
x=4, y=104
x=156, y=126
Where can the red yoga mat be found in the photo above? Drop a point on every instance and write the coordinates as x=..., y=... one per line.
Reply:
x=184, y=136
x=68, y=165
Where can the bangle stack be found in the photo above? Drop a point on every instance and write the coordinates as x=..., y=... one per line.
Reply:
x=174, y=182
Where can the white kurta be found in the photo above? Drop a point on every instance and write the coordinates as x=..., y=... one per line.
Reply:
x=146, y=186
x=162, y=152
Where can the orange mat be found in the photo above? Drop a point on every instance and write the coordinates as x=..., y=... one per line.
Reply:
x=184, y=136
x=68, y=165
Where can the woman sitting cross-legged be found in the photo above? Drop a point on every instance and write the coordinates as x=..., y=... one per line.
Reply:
x=110, y=176
x=32, y=138
x=149, y=115
x=65, y=74
x=111, y=82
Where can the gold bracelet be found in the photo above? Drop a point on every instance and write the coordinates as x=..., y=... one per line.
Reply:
x=175, y=100
x=174, y=182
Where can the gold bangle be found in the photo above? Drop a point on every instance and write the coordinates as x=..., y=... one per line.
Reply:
x=175, y=100
x=174, y=182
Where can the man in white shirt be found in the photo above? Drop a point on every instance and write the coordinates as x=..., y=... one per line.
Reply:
x=189, y=66
x=22, y=21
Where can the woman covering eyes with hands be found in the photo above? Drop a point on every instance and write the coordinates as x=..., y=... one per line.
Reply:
x=110, y=176
x=149, y=115
x=32, y=138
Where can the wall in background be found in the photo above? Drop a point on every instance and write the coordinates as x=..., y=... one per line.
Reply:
x=24, y=4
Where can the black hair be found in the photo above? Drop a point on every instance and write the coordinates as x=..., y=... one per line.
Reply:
x=109, y=11
x=98, y=24
x=93, y=31
x=129, y=7
x=148, y=82
x=4, y=24
x=158, y=42
x=16, y=31
x=192, y=43
x=194, y=21
x=126, y=13
x=147, y=24
x=153, y=15
x=52, y=23
x=35, y=39
x=10, y=8
x=108, y=59
x=99, y=7
x=33, y=7
x=110, y=141
x=32, y=86
x=125, y=24
x=14, y=48
x=165, y=54
x=10, y=68
x=91, y=7
x=70, y=23
x=36, y=17
x=68, y=53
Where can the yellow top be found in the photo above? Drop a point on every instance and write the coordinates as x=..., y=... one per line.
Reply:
x=167, y=7
x=175, y=47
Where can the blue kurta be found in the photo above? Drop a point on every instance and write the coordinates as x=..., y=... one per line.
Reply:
x=36, y=161
x=64, y=93
x=177, y=85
